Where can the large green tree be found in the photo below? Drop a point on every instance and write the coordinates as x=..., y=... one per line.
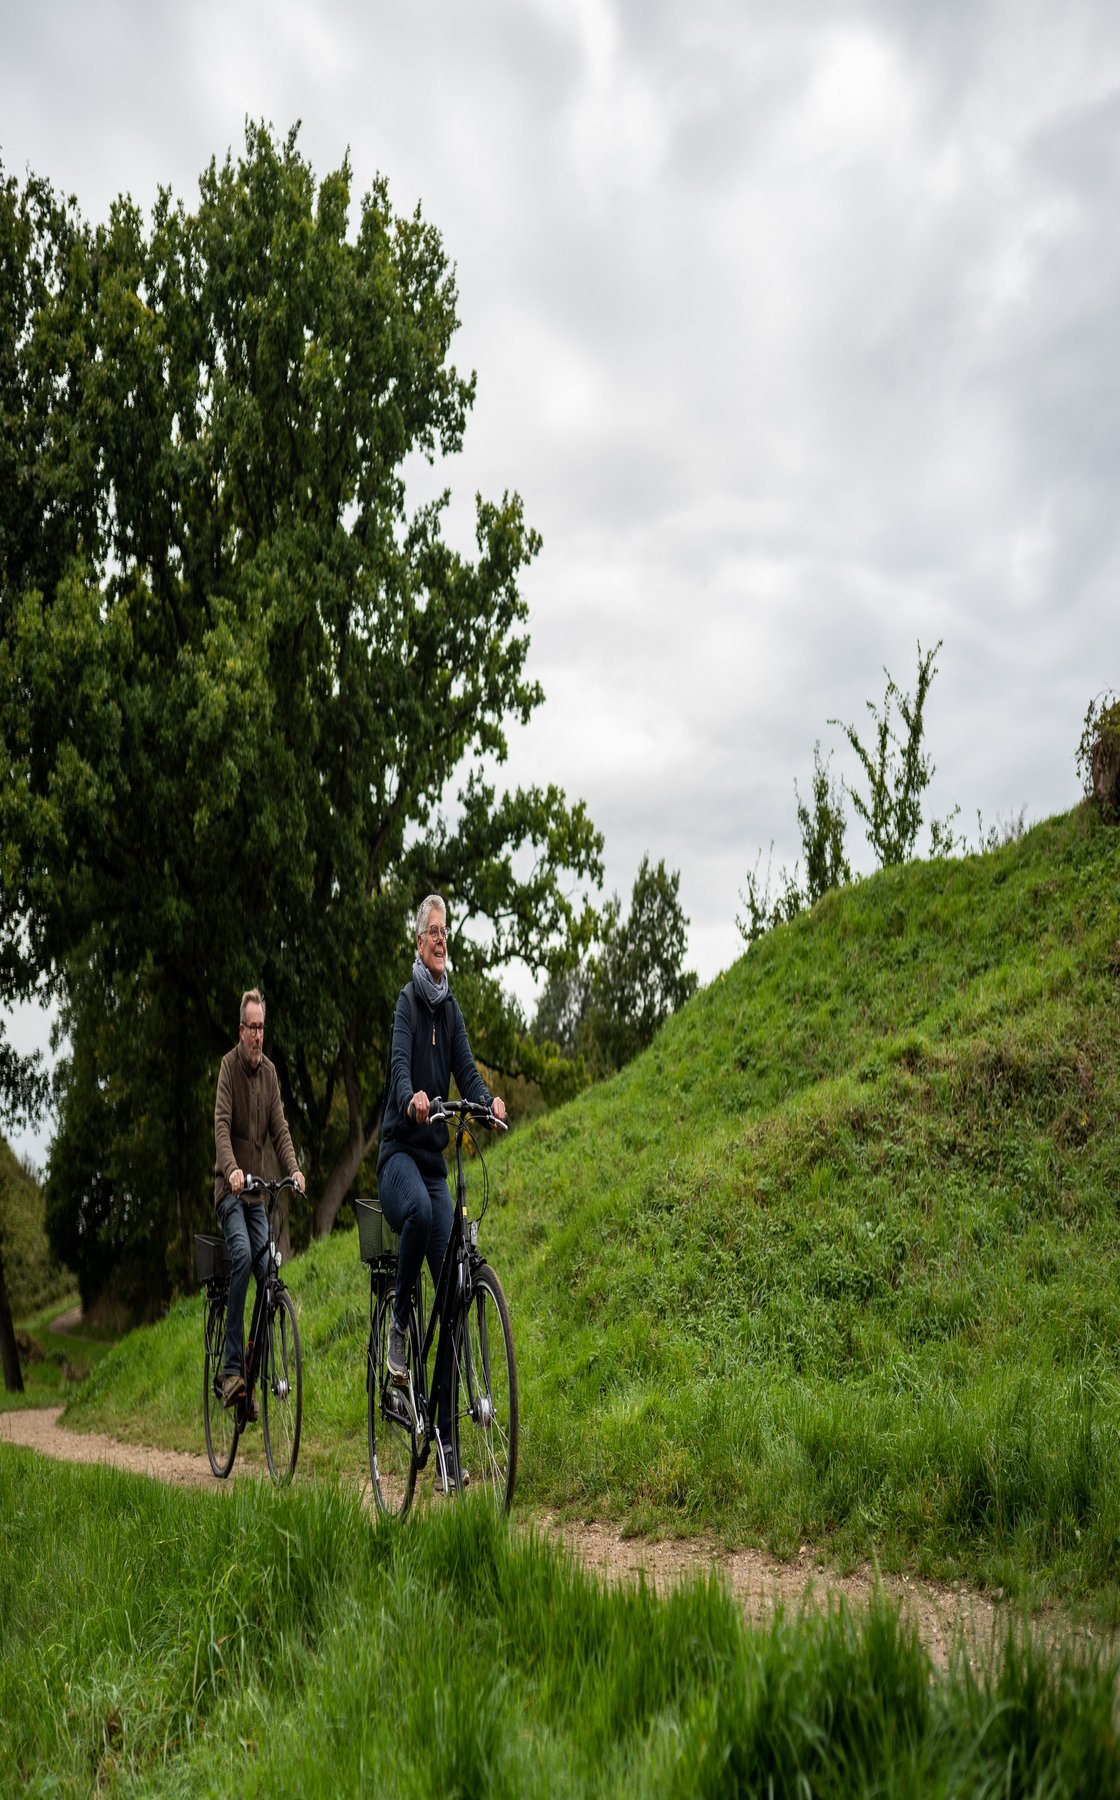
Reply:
x=248, y=697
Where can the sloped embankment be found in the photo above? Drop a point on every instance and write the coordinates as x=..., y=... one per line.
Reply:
x=835, y=1259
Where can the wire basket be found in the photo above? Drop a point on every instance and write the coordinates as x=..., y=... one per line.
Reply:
x=375, y=1237
x=210, y=1260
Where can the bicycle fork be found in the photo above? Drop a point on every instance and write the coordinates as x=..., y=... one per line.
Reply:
x=476, y=1381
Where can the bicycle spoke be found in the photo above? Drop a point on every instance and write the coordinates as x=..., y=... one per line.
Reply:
x=484, y=1392
x=281, y=1388
x=220, y=1422
x=392, y=1450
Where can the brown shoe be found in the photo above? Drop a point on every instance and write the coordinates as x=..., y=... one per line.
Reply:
x=232, y=1389
x=252, y=1410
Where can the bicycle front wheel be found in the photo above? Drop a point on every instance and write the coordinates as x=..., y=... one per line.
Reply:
x=392, y=1442
x=220, y=1422
x=281, y=1388
x=484, y=1392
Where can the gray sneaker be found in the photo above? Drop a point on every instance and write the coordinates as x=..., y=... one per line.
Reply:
x=398, y=1354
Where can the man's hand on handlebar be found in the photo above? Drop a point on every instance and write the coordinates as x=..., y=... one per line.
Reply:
x=419, y=1107
x=241, y=1181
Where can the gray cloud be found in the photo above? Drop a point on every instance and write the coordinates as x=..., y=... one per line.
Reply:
x=794, y=328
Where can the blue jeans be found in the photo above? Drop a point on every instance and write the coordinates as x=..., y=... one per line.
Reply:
x=419, y=1208
x=244, y=1226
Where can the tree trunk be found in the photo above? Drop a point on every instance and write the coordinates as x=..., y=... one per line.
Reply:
x=9, y=1353
x=349, y=1161
x=182, y=1171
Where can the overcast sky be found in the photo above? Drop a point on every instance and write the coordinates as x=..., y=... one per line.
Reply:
x=795, y=327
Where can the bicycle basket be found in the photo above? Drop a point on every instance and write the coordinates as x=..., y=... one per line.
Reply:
x=375, y=1237
x=210, y=1260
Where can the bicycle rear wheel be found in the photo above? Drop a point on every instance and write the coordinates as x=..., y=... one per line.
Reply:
x=220, y=1422
x=392, y=1443
x=484, y=1392
x=281, y=1388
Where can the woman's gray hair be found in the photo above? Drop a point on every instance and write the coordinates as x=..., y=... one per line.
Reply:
x=433, y=903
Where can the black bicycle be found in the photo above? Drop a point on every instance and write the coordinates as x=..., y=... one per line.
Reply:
x=272, y=1353
x=470, y=1313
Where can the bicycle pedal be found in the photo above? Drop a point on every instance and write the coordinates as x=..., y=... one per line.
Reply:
x=395, y=1407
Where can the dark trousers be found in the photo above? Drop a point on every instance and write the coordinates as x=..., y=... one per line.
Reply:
x=244, y=1226
x=419, y=1209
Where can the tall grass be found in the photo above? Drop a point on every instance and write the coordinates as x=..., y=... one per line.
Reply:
x=161, y=1641
x=834, y=1260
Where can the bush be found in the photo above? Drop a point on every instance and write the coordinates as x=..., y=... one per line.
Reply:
x=1098, y=755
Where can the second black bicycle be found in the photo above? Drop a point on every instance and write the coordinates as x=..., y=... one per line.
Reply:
x=272, y=1353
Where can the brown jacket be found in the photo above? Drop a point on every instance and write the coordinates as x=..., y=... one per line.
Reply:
x=247, y=1110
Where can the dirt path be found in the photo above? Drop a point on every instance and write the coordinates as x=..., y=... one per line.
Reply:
x=39, y=1429
x=66, y=1321
x=761, y=1583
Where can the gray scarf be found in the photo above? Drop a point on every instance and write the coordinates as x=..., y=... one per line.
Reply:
x=433, y=991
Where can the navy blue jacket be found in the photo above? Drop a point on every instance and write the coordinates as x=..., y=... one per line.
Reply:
x=425, y=1063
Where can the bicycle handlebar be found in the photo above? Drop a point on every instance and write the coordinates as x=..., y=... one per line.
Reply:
x=256, y=1184
x=461, y=1110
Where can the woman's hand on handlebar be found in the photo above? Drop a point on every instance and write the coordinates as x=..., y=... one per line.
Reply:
x=419, y=1107
x=491, y=1113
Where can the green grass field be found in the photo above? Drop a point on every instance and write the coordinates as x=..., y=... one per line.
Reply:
x=60, y=1360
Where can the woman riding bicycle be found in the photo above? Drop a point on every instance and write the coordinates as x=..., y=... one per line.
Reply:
x=429, y=1045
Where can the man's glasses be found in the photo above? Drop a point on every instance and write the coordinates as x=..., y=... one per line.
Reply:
x=254, y=1030
x=438, y=934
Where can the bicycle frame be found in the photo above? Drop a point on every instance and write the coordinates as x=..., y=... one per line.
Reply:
x=268, y=1286
x=460, y=1258
x=266, y=1289
x=271, y=1356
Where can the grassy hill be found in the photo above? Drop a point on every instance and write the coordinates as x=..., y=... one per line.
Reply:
x=833, y=1262
x=839, y=1253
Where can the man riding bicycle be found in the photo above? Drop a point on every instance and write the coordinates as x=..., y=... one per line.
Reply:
x=429, y=1045
x=247, y=1110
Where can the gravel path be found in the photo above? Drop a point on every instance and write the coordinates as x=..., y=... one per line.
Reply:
x=761, y=1583
x=39, y=1429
